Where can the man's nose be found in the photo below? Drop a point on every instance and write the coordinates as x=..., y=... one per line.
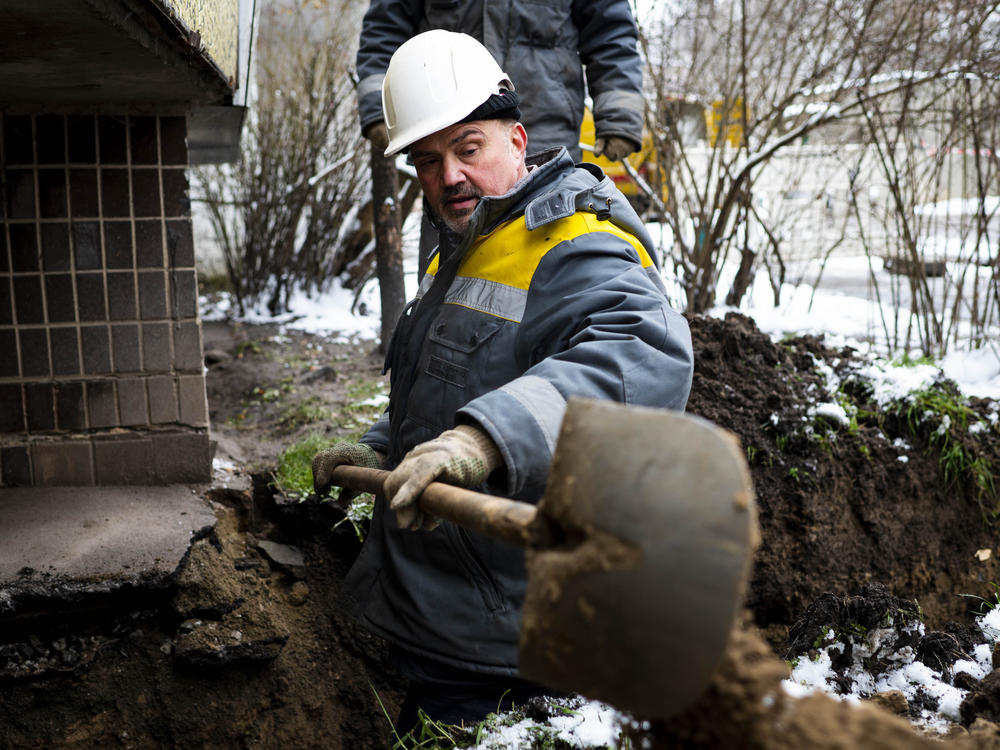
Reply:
x=452, y=171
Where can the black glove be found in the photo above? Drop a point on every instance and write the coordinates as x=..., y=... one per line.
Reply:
x=378, y=134
x=613, y=147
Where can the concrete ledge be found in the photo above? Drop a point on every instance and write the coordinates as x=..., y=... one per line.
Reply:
x=68, y=542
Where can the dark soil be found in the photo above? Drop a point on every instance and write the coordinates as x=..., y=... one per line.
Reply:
x=846, y=511
x=248, y=650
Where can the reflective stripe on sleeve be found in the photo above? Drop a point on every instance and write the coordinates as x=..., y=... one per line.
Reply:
x=619, y=100
x=370, y=85
x=543, y=401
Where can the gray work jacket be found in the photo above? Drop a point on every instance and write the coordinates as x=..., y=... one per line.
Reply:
x=501, y=340
x=542, y=46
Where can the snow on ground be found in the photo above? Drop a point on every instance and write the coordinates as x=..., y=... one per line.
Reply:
x=578, y=723
x=328, y=313
x=340, y=313
x=909, y=676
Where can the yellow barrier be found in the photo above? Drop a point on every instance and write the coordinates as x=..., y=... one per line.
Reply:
x=642, y=161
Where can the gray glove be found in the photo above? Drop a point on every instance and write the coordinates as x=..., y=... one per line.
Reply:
x=465, y=456
x=378, y=134
x=613, y=147
x=338, y=454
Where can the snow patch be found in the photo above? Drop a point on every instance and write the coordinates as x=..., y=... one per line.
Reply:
x=833, y=412
x=583, y=724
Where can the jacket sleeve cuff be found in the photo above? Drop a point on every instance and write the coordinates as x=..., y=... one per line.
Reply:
x=370, y=100
x=619, y=113
x=523, y=418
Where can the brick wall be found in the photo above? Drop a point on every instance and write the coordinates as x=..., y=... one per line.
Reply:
x=101, y=378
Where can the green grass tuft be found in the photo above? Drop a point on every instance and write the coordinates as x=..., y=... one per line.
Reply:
x=294, y=475
x=947, y=412
x=907, y=360
x=305, y=412
x=985, y=605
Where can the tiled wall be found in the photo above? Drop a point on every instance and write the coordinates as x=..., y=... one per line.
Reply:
x=101, y=378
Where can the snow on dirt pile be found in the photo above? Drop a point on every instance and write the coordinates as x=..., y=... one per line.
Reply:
x=848, y=462
x=874, y=646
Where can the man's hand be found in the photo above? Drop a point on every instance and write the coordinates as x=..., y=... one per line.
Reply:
x=338, y=454
x=378, y=134
x=614, y=148
x=465, y=456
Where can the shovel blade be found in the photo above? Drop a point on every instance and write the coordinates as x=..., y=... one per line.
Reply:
x=636, y=608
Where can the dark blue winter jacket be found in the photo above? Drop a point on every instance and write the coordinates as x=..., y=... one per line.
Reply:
x=552, y=293
x=542, y=46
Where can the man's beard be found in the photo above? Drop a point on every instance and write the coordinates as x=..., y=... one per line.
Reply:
x=458, y=220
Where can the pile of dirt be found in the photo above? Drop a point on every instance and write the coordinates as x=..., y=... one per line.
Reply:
x=854, y=507
x=248, y=649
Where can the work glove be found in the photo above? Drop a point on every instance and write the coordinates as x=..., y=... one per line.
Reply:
x=378, y=134
x=338, y=454
x=464, y=456
x=613, y=147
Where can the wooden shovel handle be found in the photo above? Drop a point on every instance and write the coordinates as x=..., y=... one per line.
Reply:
x=510, y=520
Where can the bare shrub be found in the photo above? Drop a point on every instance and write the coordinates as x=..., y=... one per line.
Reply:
x=768, y=117
x=937, y=225
x=284, y=215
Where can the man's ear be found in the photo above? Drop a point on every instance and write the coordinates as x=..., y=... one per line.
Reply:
x=519, y=137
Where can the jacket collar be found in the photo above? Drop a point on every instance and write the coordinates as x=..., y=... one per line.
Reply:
x=555, y=188
x=544, y=167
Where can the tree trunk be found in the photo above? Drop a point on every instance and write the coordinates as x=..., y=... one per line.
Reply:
x=744, y=276
x=388, y=242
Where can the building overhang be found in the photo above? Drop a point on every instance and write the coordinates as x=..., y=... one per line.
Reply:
x=103, y=52
x=180, y=56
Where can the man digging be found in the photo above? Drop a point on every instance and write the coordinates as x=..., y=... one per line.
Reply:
x=544, y=286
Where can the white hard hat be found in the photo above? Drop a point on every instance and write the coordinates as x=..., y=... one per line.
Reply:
x=434, y=80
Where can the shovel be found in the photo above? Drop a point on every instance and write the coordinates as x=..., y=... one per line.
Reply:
x=637, y=554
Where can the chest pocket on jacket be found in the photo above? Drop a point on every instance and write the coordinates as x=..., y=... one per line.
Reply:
x=455, y=338
x=542, y=24
x=442, y=14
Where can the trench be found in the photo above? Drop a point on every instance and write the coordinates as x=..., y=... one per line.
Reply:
x=241, y=647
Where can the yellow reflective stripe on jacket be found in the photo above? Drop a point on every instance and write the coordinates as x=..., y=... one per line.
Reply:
x=496, y=272
x=493, y=255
